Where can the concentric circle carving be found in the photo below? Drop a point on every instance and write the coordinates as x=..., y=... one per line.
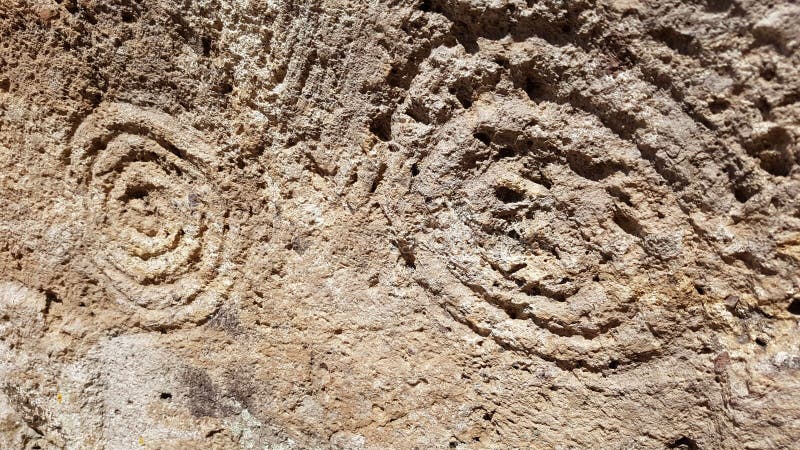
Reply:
x=157, y=223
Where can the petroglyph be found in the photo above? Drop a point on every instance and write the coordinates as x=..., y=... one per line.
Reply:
x=399, y=224
x=154, y=209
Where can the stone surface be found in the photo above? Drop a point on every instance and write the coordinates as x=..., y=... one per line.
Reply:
x=399, y=224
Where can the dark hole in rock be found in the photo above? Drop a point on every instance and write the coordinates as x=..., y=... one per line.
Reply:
x=718, y=105
x=507, y=195
x=381, y=127
x=794, y=307
x=532, y=290
x=535, y=89
x=700, y=289
x=224, y=88
x=684, y=443
x=483, y=137
x=417, y=112
x=51, y=297
x=743, y=192
x=718, y=5
x=628, y=224
x=205, y=41
x=617, y=192
x=773, y=151
x=682, y=43
x=505, y=152
x=165, y=396
x=768, y=72
x=136, y=192
x=763, y=106
x=776, y=162
x=587, y=167
x=463, y=95
x=465, y=37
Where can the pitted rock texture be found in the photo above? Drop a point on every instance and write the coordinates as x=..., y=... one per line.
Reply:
x=399, y=224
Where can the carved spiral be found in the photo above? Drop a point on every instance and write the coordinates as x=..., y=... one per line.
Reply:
x=157, y=222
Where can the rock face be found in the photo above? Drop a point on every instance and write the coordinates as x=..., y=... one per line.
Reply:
x=399, y=224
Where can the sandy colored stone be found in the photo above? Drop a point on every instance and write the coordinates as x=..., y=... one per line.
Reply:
x=399, y=224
